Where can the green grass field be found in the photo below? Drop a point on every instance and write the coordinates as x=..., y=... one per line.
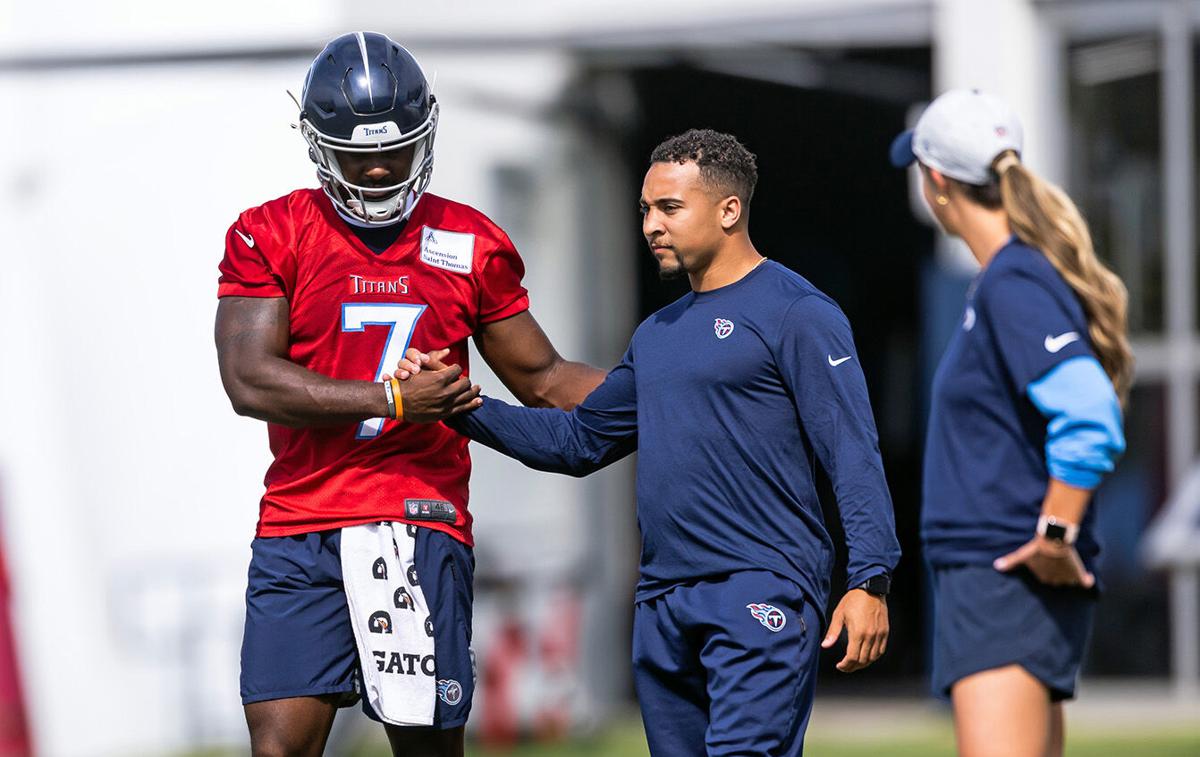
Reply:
x=627, y=741
x=935, y=745
x=937, y=740
x=1117, y=721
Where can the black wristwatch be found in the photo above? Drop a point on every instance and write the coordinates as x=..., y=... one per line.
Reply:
x=878, y=585
x=1057, y=530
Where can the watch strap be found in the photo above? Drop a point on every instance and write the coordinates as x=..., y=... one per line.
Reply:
x=879, y=585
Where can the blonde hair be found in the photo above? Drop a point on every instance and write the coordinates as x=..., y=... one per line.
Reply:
x=1044, y=217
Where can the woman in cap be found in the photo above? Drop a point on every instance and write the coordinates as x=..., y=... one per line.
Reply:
x=1025, y=421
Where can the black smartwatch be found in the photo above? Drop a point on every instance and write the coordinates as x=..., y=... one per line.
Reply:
x=878, y=585
x=1057, y=529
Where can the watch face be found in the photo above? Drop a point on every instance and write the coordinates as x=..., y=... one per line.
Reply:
x=1056, y=532
x=879, y=585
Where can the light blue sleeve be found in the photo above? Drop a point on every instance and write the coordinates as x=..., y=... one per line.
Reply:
x=1084, y=436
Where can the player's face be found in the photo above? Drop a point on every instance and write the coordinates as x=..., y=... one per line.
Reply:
x=681, y=218
x=376, y=169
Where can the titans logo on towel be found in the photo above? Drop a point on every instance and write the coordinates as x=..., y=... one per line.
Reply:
x=379, y=569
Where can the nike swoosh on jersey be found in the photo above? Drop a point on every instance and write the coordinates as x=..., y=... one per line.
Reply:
x=1055, y=343
x=839, y=361
x=249, y=240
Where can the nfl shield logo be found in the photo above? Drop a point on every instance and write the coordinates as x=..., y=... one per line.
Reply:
x=723, y=328
x=770, y=616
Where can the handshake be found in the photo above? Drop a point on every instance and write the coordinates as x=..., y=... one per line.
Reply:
x=430, y=390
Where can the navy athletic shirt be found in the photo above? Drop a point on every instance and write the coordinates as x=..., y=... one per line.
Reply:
x=728, y=395
x=985, y=456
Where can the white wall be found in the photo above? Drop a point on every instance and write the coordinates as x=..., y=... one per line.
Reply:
x=78, y=27
x=128, y=484
x=1006, y=48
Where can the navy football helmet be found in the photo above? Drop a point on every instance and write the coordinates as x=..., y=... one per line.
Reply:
x=365, y=93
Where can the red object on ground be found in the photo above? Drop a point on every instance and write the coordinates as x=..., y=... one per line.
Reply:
x=559, y=648
x=499, y=724
x=15, y=738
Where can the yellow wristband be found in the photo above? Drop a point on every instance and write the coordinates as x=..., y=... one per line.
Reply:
x=396, y=396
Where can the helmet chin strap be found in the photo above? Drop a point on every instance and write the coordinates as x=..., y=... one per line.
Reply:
x=386, y=206
x=354, y=220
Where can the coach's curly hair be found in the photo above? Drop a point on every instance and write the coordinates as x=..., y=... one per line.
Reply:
x=725, y=164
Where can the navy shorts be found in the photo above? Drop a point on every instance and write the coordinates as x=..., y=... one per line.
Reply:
x=299, y=642
x=727, y=666
x=984, y=619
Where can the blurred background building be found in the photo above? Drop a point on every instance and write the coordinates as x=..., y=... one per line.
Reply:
x=137, y=131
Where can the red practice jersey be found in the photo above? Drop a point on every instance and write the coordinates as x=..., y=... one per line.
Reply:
x=352, y=315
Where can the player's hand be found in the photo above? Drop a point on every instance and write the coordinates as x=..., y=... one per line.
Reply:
x=1051, y=562
x=435, y=394
x=865, y=618
x=414, y=360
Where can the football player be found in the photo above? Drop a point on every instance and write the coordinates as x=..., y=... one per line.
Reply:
x=320, y=293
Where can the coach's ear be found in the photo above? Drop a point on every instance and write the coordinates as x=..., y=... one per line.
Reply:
x=937, y=180
x=730, y=210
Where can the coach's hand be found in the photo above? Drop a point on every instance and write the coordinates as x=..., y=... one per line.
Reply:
x=1051, y=562
x=865, y=618
x=414, y=361
x=436, y=393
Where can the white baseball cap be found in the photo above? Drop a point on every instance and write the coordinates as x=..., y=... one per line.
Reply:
x=959, y=135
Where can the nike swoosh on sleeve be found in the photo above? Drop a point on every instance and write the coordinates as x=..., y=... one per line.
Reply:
x=1055, y=343
x=249, y=240
x=839, y=361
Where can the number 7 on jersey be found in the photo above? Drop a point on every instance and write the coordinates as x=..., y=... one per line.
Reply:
x=401, y=321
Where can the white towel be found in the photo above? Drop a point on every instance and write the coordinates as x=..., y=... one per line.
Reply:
x=391, y=622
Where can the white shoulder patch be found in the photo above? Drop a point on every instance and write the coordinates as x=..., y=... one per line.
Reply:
x=452, y=250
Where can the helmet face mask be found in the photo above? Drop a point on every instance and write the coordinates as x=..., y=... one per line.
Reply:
x=366, y=97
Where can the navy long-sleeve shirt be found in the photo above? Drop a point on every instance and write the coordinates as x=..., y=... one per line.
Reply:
x=728, y=395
